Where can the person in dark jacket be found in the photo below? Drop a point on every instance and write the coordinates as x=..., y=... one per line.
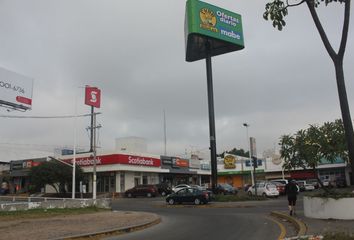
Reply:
x=291, y=190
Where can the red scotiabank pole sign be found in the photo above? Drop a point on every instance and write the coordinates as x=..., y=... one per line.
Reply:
x=93, y=96
x=93, y=99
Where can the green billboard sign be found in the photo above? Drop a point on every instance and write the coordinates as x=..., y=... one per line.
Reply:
x=208, y=24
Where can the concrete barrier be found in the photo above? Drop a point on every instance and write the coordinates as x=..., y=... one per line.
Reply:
x=48, y=203
x=329, y=208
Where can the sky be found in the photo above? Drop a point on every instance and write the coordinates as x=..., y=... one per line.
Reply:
x=134, y=51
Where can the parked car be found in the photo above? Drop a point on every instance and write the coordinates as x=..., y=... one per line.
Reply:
x=224, y=188
x=314, y=182
x=246, y=187
x=188, y=195
x=304, y=186
x=142, y=190
x=283, y=181
x=327, y=183
x=163, y=189
x=266, y=189
x=4, y=189
x=210, y=193
x=301, y=185
x=280, y=187
x=179, y=186
x=340, y=182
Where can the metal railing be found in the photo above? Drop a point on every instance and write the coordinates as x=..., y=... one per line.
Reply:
x=22, y=199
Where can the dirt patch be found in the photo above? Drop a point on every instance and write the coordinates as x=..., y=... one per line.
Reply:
x=65, y=226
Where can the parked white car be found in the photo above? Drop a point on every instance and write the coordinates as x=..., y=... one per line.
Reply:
x=179, y=187
x=265, y=189
x=304, y=186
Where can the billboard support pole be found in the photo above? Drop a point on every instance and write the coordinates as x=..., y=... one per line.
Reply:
x=91, y=135
x=94, y=187
x=211, y=117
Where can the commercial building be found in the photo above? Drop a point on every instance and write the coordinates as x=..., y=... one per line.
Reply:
x=19, y=173
x=119, y=171
x=236, y=170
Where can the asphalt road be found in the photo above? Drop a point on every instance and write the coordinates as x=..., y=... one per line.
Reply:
x=243, y=220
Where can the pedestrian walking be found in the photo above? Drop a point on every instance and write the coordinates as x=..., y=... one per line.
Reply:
x=291, y=190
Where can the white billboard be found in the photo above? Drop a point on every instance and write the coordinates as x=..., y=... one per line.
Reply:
x=15, y=90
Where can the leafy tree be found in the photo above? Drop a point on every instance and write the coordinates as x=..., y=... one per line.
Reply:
x=238, y=152
x=276, y=10
x=306, y=148
x=54, y=173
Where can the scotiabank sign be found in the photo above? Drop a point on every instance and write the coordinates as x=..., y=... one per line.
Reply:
x=93, y=96
x=118, y=159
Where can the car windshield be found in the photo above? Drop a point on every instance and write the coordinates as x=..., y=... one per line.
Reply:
x=271, y=185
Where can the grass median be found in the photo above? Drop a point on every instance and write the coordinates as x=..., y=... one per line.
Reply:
x=238, y=198
x=338, y=236
x=47, y=213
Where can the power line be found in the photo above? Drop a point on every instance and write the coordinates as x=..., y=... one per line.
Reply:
x=47, y=117
x=35, y=145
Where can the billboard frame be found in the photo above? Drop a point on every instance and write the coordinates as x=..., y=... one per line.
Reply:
x=15, y=90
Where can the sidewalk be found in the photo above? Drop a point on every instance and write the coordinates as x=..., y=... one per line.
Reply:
x=63, y=227
x=321, y=226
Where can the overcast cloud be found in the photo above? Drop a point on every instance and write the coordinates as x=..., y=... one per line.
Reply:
x=134, y=52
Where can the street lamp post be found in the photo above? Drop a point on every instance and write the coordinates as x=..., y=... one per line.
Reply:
x=249, y=150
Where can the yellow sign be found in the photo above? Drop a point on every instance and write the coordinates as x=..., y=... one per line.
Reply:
x=229, y=162
x=208, y=20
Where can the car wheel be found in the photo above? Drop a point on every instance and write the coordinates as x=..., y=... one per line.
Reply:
x=171, y=201
x=264, y=194
x=148, y=195
x=163, y=194
x=197, y=201
x=129, y=195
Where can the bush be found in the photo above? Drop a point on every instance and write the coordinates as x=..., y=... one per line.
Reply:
x=337, y=236
x=236, y=198
x=333, y=194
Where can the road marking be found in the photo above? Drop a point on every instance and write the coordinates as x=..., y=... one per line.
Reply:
x=281, y=226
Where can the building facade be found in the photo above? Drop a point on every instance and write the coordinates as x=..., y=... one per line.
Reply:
x=116, y=172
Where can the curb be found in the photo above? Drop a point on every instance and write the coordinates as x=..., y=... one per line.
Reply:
x=113, y=231
x=299, y=225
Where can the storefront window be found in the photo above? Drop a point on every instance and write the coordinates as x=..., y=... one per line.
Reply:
x=106, y=182
x=145, y=179
x=122, y=182
x=136, y=181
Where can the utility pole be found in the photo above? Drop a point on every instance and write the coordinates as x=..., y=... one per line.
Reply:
x=93, y=129
x=249, y=151
x=164, y=132
x=91, y=132
x=74, y=152
x=94, y=148
x=213, y=157
x=254, y=161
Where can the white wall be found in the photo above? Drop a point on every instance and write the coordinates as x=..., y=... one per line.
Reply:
x=131, y=144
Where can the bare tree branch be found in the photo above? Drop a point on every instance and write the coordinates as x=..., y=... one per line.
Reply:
x=321, y=31
x=295, y=4
x=343, y=42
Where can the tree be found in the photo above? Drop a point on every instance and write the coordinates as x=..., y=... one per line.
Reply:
x=238, y=152
x=307, y=148
x=54, y=173
x=276, y=11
